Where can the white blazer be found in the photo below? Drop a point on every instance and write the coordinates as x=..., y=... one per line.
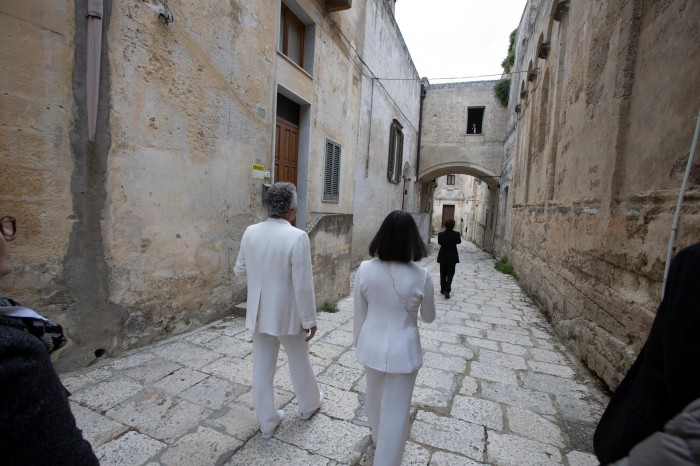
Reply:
x=387, y=299
x=277, y=259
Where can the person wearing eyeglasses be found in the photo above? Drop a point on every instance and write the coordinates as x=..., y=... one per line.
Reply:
x=37, y=426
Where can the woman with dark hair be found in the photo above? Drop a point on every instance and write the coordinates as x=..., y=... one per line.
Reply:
x=448, y=257
x=390, y=291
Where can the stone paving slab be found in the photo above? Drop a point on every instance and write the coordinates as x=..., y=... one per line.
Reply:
x=497, y=387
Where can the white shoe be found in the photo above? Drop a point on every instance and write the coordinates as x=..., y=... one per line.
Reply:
x=307, y=416
x=268, y=435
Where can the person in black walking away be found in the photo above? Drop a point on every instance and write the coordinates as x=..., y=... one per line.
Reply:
x=37, y=426
x=664, y=379
x=448, y=256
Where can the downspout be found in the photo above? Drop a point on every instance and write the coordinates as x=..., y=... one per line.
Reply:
x=676, y=216
x=420, y=132
x=369, y=136
x=420, y=126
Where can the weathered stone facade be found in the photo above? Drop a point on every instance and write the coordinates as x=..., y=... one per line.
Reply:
x=448, y=146
x=134, y=236
x=331, y=237
x=384, y=100
x=598, y=138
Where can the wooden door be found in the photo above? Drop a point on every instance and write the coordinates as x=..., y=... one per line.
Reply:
x=286, y=152
x=448, y=211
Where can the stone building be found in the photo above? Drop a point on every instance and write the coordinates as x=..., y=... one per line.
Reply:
x=600, y=124
x=462, y=133
x=131, y=233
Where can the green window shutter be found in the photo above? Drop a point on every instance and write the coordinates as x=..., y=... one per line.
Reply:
x=395, y=152
x=392, y=154
x=331, y=175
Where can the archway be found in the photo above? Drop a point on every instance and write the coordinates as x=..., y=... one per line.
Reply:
x=477, y=215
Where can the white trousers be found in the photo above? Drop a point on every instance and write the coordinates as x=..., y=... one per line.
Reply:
x=265, y=351
x=388, y=406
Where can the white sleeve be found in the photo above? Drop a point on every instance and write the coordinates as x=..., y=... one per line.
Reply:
x=303, y=281
x=360, y=307
x=239, y=268
x=427, y=307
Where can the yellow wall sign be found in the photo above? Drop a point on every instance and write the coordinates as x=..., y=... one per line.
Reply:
x=258, y=171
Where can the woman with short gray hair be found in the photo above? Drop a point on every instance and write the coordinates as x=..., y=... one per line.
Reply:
x=280, y=199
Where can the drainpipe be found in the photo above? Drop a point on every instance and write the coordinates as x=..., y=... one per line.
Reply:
x=420, y=125
x=420, y=131
x=369, y=136
x=677, y=215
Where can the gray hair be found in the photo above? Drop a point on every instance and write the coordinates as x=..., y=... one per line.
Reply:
x=280, y=198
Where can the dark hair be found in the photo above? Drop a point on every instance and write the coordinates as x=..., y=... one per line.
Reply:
x=450, y=224
x=398, y=239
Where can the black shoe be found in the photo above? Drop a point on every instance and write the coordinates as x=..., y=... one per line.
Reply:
x=447, y=295
x=442, y=292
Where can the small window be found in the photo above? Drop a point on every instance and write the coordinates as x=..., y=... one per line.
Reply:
x=450, y=179
x=331, y=174
x=475, y=120
x=395, y=152
x=291, y=39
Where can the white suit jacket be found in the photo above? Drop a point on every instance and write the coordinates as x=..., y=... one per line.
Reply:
x=276, y=257
x=387, y=299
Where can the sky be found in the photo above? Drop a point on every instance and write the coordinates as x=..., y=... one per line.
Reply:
x=458, y=38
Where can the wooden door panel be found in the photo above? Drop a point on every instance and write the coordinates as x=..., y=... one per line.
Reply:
x=448, y=212
x=286, y=151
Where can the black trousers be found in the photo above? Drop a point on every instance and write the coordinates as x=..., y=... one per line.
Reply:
x=447, y=272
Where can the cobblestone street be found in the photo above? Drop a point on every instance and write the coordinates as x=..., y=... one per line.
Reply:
x=497, y=387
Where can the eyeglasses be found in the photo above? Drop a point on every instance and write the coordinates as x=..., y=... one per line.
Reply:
x=8, y=228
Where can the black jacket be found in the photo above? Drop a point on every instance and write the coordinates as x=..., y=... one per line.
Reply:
x=37, y=426
x=666, y=375
x=448, y=241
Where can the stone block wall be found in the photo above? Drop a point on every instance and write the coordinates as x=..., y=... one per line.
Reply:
x=331, y=236
x=595, y=156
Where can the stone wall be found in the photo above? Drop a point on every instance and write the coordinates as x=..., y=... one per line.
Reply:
x=447, y=146
x=331, y=236
x=132, y=237
x=595, y=155
x=384, y=55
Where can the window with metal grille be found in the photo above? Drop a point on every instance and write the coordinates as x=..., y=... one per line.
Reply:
x=331, y=174
x=395, y=152
x=450, y=179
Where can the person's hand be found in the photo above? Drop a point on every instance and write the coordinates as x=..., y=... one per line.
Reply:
x=311, y=331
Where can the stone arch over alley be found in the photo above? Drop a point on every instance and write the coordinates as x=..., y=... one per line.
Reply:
x=463, y=128
x=480, y=199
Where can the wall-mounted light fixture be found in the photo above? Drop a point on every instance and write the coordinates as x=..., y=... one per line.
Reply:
x=161, y=7
x=561, y=8
x=166, y=14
